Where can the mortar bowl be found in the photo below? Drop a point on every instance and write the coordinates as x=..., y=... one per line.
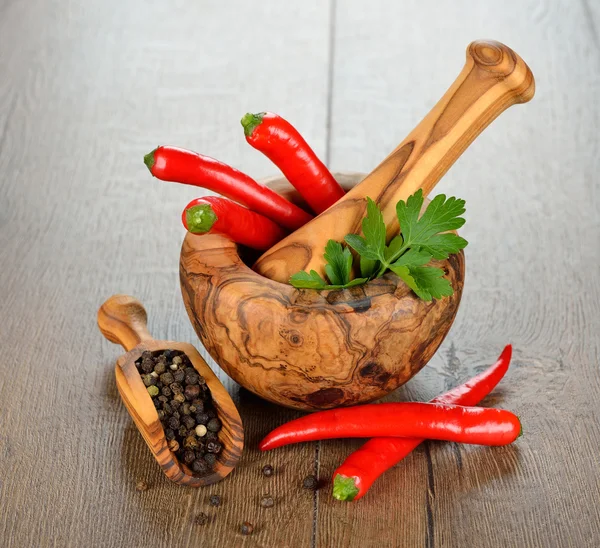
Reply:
x=309, y=349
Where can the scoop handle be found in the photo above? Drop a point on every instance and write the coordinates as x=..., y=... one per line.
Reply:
x=123, y=320
x=493, y=78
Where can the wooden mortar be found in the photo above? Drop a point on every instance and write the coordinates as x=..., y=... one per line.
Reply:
x=308, y=349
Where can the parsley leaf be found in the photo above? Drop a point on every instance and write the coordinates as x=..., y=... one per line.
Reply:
x=338, y=270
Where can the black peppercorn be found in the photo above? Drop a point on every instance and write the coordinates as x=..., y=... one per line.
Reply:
x=191, y=442
x=199, y=405
x=176, y=388
x=267, y=470
x=169, y=433
x=188, y=456
x=211, y=414
x=179, y=376
x=167, y=408
x=211, y=436
x=147, y=366
x=162, y=399
x=161, y=414
x=267, y=502
x=310, y=482
x=146, y=355
x=202, y=418
x=185, y=409
x=168, y=354
x=210, y=458
x=247, y=528
x=214, y=447
x=180, y=398
x=188, y=421
x=167, y=378
x=156, y=403
x=166, y=391
x=148, y=380
x=192, y=391
x=173, y=422
x=214, y=425
x=183, y=431
x=176, y=415
x=175, y=404
x=214, y=500
x=201, y=380
x=199, y=466
x=201, y=519
x=191, y=378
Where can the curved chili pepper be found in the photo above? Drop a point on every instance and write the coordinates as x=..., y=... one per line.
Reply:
x=356, y=474
x=187, y=167
x=214, y=214
x=434, y=421
x=277, y=139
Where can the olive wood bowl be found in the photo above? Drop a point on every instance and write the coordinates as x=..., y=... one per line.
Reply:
x=122, y=319
x=309, y=349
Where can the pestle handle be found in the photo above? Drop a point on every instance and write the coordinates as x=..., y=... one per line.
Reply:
x=494, y=78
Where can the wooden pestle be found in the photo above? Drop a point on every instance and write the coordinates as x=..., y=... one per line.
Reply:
x=494, y=78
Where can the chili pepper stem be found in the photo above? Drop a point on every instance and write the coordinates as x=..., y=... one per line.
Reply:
x=250, y=121
x=149, y=160
x=200, y=219
x=344, y=488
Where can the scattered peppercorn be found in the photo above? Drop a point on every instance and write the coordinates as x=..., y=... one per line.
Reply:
x=267, y=470
x=141, y=486
x=247, y=528
x=267, y=502
x=310, y=482
x=201, y=519
x=214, y=500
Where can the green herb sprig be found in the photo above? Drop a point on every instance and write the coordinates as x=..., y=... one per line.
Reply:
x=421, y=239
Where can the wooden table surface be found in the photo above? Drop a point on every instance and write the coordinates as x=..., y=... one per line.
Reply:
x=88, y=87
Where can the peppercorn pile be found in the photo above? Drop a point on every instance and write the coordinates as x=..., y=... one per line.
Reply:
x=185, y=408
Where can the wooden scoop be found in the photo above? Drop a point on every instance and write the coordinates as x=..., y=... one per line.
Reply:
x=493, y=78
x=122, y=320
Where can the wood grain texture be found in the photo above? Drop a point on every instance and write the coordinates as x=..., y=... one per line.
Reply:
x=87, y=88
x=123, y=320
x=494, y=78
x=309, y=349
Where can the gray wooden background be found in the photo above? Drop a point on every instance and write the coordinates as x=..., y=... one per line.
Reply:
x=88, y=87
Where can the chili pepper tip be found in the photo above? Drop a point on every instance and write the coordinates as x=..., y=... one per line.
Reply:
x=344, y=488
x=200, y=219
x=149, y=160
x=250, y=122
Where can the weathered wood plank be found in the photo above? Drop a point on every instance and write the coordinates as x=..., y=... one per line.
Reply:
x=532, y=223
x=86, y=89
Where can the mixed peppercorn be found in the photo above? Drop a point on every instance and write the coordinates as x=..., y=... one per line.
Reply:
x=185, y=408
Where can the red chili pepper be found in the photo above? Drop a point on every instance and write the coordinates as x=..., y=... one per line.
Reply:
x=277, y=139
x=214, y=214
x=434, y=421
x=187, y=167
x=357, y=473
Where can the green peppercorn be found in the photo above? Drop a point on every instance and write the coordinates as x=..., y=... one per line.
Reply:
x=167, y=378
x=214, y=425
x=210, y=458
x=188, y=456
x=214, y=500
x=199, y=466
x=152, y=390
x=247, y=528
x=201, y=519
x=149, y=380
